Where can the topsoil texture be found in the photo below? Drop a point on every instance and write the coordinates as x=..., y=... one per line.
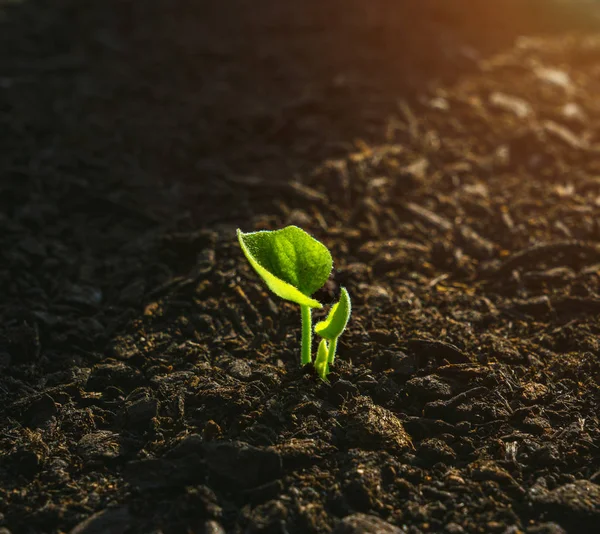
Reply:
x=447, y=152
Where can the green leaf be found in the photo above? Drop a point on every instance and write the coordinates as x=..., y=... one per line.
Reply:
x=291, y=262
x=335, y=324
x=321, y=363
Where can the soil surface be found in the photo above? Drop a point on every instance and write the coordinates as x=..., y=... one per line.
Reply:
x=448, y=153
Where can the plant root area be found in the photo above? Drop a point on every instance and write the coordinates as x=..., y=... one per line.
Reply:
x=448, y=153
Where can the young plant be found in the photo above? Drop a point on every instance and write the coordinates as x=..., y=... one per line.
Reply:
x=330, y=330
x=321, y=361
x=294, y=265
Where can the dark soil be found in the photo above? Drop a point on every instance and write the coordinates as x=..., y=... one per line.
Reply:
x=449, y=155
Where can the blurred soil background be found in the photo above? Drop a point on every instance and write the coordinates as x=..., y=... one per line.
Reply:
x=447, y=152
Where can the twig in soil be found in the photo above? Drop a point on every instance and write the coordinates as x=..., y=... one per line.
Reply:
x=437, y=280
x=428, y=216
x=504, y=402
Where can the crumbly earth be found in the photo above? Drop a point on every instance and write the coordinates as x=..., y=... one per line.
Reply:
x=448, y=153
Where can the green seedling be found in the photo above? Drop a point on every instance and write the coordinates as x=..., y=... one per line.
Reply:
x=331, y=329
x=294, y=265
x=321, y=362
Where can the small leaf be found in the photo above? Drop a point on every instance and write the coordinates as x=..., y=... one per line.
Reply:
x=321, y=363
x=291, y=262
x=335, y=323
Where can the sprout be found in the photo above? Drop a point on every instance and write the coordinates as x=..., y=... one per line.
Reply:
x=331, y=329
x=321, y=362
x=293, y=265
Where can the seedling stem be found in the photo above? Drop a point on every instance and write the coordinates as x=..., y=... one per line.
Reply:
x=305, y=347
x=332, y=349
